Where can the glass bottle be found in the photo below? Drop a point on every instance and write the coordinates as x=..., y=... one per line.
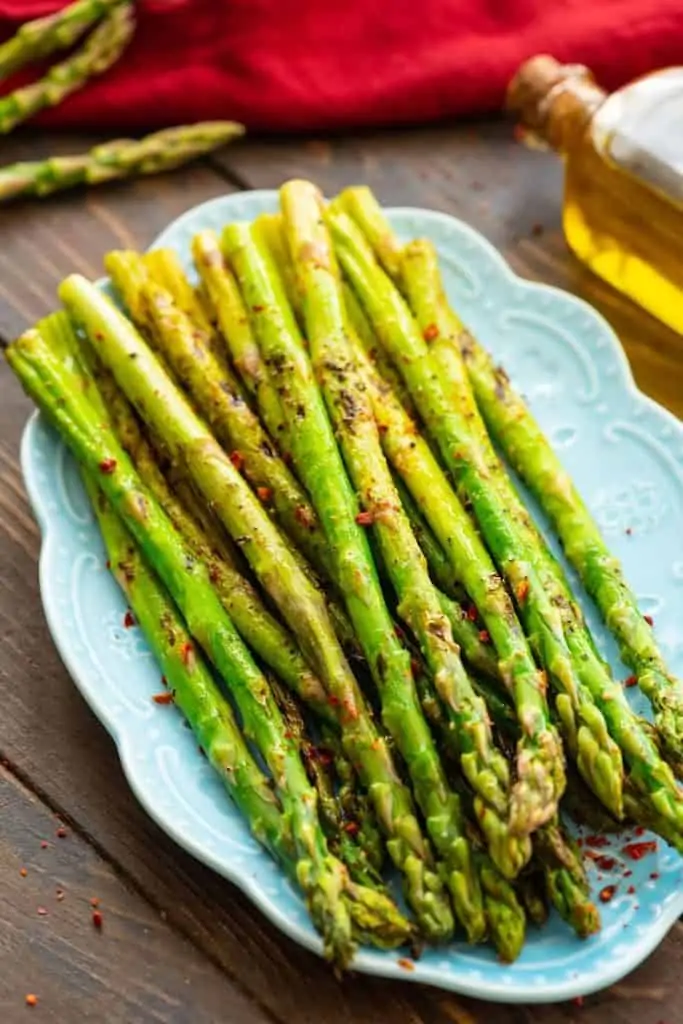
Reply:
x=623, y=154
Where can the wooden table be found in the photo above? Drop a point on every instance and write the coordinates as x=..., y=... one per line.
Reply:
x=178, y=943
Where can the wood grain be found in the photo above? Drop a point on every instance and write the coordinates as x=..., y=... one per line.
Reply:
x=49, y=736
x=134, y=968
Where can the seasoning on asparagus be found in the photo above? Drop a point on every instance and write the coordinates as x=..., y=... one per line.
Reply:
x=323, y=879
x=100, y=50
x=416, y=268
x=143, y=379
x=418, y=601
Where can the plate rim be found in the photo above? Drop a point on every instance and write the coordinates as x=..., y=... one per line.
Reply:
x=366, y=960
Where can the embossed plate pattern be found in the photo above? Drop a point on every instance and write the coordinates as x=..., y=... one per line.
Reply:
x=626, y=454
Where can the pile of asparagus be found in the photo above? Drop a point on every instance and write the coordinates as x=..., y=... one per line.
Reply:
x=292, y=465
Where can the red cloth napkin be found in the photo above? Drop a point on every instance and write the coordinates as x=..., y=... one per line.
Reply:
x=310, y=64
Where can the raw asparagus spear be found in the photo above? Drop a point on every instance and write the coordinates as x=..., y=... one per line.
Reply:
x=323, y=879
x=532, y=893
x=418, y=601
x=102, y=49
x=35, y=40
x=530, y=453
x=147, y=386
x=233, y=320
x=539, y=756
x=649, y=782
x=647, y=771
x=258, y=628
x=187, y=351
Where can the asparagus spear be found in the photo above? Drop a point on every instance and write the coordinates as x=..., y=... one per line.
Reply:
x=418, y=601
x=102, y=49
x=319, y=465
x=529, y=452
x=35, y=40
x=539, y=756
x=652, y=790
x=233, y=320
x=186, y=349
x=258, y=628
x=323, y=879
x=147, y=386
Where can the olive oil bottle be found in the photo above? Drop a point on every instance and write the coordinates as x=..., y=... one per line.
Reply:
x=623, y=155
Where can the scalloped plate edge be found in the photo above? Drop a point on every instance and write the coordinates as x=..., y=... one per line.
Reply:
x=366, y=961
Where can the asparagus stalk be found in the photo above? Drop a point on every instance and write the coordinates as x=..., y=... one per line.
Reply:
x=164, y=268
x=530, y=453
x=344, y=835
x=323, y=879
x=273, y=644
x=648, y=772
x=102, y=49
x=652, y=792
x=533, y=895
x=418, y=601
x=319, y=465
x=539, y=755
x=35, y=40
x=233, y=320
x=187, y=351
x=147, y=386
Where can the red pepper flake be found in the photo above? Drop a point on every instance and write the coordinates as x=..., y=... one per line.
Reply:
x=485, y=636
x=42, y=912
x=61, y=832
x=431, y=332
x=264, y=493
x=23, y=872
x=44, y=844
x=631, y=889
x=522, y=591
x=415, y=666
x=166, y=697
x=630, y=681
x=650, y=621
x=537, y=230
x=628, y=873
x=639, y=831
x=108, y=564
x=405, y=963
x=471, y=613
x=352, y=828
x=128, y=620
x=365, y=519
x=186, y=654
x=578, y=1001
x=636, y=851
x=304, y=516
x=333, y=701
x=237, y=460
x=107, y=466
x=597, y=842
x=607, y=894
x=654, y=876
x=97, y=919
x=628, y=531
x=603, y=862
x=31, y=999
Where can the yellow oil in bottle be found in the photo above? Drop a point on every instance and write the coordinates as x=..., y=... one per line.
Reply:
x=623, y=155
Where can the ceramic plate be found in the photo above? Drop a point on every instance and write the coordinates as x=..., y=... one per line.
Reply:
x=625, y=453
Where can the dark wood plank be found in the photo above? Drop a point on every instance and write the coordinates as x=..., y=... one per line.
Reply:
x=509, y=193
x=47, y=732
x=134, y=968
